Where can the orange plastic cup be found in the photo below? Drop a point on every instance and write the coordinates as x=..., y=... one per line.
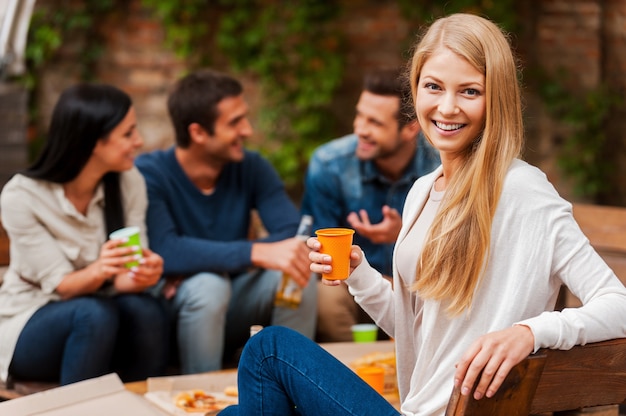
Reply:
x=374, y=376
x=336, y=242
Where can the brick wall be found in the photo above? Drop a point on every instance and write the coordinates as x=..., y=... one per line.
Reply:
x=13, y=149
x=585, y=37
x=587, y=40
x=614, y=70
x=564, y=35
x=376, y=36
x=138, y=63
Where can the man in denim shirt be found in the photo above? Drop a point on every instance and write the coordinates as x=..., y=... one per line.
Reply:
x=360, y=181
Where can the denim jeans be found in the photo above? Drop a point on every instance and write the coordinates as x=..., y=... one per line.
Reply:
x=284, y=373
x=89, y=336
x=213, y=315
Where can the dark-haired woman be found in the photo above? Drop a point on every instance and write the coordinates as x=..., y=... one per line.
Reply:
x=69, y=308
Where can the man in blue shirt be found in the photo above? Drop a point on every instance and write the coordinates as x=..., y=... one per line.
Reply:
x=360, y=181
x=201, y=193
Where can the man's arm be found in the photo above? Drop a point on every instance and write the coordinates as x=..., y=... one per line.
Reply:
x=188, y=255
x=280, y=250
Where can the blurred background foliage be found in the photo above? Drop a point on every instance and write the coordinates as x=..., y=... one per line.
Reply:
x=296, y=54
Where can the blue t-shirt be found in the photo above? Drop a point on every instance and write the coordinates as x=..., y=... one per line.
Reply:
x=338, y=183
x=195, y=232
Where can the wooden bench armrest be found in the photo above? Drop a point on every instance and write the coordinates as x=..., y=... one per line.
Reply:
x=513, y=398
x=555, y=380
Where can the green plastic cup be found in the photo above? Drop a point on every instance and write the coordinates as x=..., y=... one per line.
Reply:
x=131, y=234
x=364, y=332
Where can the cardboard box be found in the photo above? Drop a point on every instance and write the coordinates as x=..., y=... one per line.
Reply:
x=101, y=396
x=106, y=395
x=161, y=391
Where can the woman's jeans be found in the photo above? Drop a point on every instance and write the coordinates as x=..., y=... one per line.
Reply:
x=283, y=373
x=89, y=336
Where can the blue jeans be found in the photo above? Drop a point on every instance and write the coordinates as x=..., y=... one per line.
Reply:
x=213, y=315
x=89, y=336
x=284, y=373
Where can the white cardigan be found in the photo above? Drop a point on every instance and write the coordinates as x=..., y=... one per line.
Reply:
x=536, y=245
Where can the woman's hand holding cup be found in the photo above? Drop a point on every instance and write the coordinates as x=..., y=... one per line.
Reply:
x=322, y=259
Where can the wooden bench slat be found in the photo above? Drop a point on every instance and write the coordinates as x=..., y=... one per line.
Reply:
x=585, y=376
x=15, y=388
x=605, y=226
x=4, y=247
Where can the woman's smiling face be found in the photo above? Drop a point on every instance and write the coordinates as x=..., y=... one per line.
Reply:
x=450, y=102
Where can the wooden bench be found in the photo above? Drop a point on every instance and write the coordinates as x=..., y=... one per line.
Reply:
x=555, y=380
x=605, y=227
x=4, y=248
x=13, y=388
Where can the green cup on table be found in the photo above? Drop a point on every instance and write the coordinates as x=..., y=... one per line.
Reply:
x=364, y=332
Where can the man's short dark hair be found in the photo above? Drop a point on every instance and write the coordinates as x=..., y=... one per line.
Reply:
x=194, y=99
x=392, y=82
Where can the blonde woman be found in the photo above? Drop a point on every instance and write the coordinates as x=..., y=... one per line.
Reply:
x=485, y=245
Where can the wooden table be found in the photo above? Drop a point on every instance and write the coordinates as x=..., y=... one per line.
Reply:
x=345, y=352
x=141, y=387
x=137, y=387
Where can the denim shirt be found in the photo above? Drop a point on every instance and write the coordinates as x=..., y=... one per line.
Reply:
x=338, y=183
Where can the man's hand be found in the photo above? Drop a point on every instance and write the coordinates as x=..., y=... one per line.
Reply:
x=290, y=256
x=385, y=231
x=494, y=354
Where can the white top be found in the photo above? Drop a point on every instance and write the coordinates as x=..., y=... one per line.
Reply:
x=49, y=239
x=536, y=245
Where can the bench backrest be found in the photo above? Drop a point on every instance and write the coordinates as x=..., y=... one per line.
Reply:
x=555, y=380
x=605, y=227
x=4, y=247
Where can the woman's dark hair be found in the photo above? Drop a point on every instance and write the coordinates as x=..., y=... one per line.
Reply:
x=84, y=114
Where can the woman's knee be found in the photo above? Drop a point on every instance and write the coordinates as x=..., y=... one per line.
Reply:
x=140, y=305
x=271, y=338
x=97, y=313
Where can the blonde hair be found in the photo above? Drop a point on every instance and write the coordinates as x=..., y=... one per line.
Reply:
x=456, y=250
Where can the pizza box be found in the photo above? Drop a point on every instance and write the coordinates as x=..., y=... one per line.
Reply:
x=162, y=391
x=100, y=396
x=106, y=395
